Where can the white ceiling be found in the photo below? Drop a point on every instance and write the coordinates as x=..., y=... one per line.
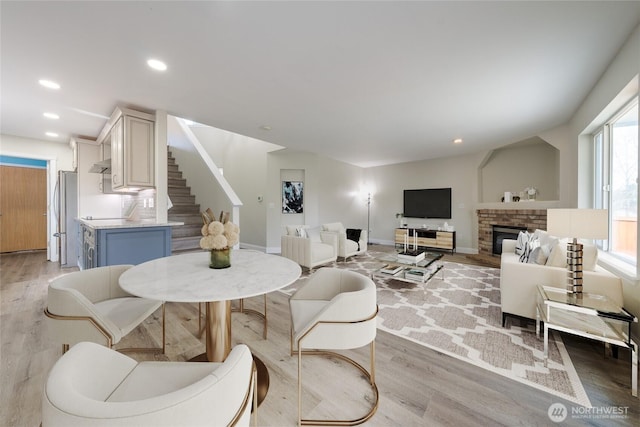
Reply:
x=369, y=83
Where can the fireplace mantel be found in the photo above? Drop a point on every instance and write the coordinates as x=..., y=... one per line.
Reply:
x=542, y=204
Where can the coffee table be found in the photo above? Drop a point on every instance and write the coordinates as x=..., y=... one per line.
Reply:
x=591, y=316
x=406, y=271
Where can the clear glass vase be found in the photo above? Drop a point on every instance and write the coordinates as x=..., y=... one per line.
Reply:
x=220, y=258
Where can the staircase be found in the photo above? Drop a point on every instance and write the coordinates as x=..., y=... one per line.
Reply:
x=183, y=237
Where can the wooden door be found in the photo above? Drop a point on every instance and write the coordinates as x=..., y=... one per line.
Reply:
x=23, y=208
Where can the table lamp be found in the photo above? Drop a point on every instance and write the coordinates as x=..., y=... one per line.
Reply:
x=577, y=224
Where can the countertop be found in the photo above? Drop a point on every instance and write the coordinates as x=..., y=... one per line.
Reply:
x=124, y=223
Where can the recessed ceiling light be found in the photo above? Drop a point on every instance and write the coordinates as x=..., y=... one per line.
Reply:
x=48, y=83
x=265, y=127
x=457, y=141
x=53, y=116
x=52, y=134
x=157, y=65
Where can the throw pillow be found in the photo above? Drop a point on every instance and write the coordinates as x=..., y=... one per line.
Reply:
x=523, y=238
x=529, y=246
x=333, y=226
x=558, y=255
x=589, y=257
x=300, y=232
x=539, y=255
x=292, y=230
x=314, y=234
x=545, y=238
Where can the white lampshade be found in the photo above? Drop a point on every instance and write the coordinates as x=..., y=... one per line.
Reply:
x=578, y=223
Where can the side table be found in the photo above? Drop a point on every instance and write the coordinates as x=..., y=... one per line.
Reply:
x=591, y=316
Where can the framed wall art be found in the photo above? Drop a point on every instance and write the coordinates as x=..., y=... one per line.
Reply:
x=292, y=197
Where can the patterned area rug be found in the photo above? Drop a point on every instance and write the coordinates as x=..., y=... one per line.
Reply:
x=460, y=316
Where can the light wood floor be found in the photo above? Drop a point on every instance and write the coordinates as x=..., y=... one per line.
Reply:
x=418, y=386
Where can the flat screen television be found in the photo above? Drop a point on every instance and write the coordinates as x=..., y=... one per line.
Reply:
x=428, y=203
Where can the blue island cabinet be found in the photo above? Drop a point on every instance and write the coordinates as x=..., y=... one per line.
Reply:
x=115, y=246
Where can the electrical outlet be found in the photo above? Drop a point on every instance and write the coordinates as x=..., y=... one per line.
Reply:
x=151, y=202
x=144, y=203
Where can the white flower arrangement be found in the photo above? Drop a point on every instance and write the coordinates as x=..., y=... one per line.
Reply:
x=218, y=234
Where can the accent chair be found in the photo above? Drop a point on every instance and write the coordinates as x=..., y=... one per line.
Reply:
x=90, y=305
x=347, y=246
x=335, y=310
x=309, y=246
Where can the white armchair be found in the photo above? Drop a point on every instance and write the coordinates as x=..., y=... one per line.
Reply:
x=347, y=247
x=310, y=247
x=335, y=310
x=92, y=385
x=90, y=305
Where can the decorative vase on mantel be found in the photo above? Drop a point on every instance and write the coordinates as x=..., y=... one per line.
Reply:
x=220, y=258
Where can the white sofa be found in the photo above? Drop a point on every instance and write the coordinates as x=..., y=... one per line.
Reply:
x=309, y=246
x=347, y=247
x=519, y=281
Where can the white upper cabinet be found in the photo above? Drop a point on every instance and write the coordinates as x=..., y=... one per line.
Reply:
x=132, y=141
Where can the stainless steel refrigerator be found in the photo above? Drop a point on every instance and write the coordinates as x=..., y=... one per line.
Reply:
x=66, y=208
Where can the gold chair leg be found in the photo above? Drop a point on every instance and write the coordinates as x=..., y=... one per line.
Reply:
x=164, y=331
x=255, y=398
x=108, y=339
x=263, y=315
x=299, y=386
x=201, y=327
x=369, y=375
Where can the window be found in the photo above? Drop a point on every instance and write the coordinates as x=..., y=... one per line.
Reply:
x=616, y=181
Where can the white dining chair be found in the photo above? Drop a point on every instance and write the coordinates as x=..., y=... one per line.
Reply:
x=94, y=386
x=90, y=305
x=335, y=310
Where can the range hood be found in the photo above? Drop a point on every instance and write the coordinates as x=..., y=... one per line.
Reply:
x=103, y=166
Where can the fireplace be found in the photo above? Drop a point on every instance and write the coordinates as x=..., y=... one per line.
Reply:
x=501, y=232
x=520, y=219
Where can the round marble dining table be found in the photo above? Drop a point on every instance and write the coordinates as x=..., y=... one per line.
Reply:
x=188, y=278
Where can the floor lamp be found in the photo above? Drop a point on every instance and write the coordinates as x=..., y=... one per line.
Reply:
x=577, y=224
x=368, y=216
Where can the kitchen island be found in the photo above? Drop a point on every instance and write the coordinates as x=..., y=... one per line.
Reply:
x=120, y=241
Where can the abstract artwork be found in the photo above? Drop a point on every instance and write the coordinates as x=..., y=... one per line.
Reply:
x=292, y=197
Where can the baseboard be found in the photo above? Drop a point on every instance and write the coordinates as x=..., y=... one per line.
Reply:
x=255, y=247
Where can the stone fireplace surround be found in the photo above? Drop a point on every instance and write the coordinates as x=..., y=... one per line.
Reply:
x=487, y=218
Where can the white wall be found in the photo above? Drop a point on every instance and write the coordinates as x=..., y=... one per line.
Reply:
x=330, y=193
x=532, y=163
x=59, y=156
x=617, y=86
x=459, y=173
x=61, y=152
x=91, y=201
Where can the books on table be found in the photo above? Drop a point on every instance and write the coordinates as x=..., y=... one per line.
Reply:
x=391, y=269
x=413, y=257
x=419, y=275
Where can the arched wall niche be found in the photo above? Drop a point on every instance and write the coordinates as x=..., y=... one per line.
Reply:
x=531, y=163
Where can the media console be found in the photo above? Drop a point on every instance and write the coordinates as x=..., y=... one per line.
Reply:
x=425, y=238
